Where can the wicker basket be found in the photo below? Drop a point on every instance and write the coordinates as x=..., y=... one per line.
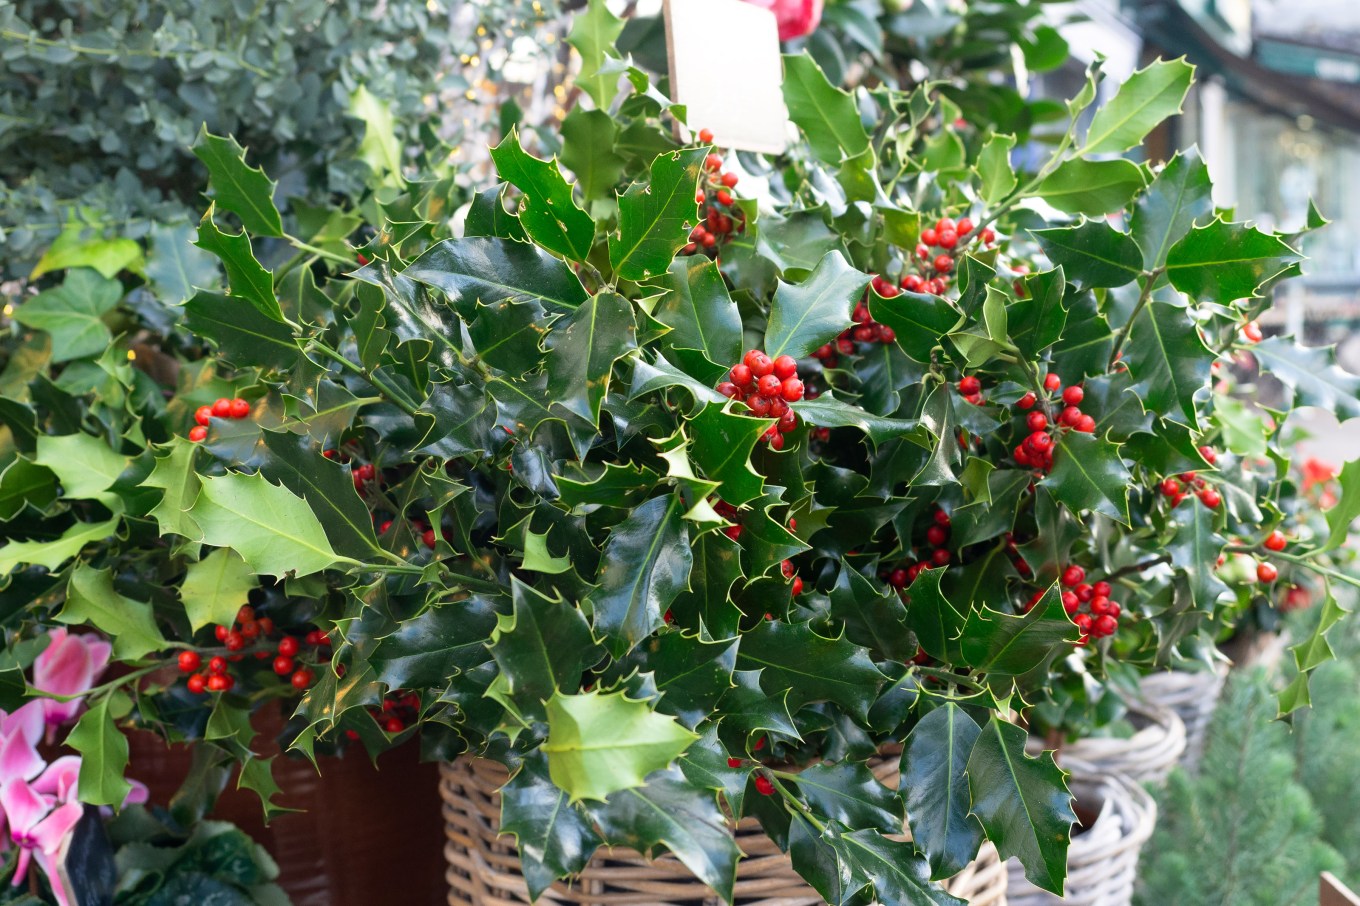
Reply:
x=1146, y=757
x=1102, y=862
x=484, y=867
x=1193, y=696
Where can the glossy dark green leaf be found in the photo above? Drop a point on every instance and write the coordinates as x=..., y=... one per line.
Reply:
x=1022, y=803
x=487, y=216
x=821, y=863
x=236, y=186
x=1081, y=186
x=691, y=673
x=24, y=484
x=243, y=335
x=1224, y=262
x=935, y=621
x=1195, y=549
x=811, y=667
x=994, y=168
x=328, y=489
x=1089, y=474
x=999, y=644
x=522, y=406
x=826, y=114
x=646, y=565
x=826, y=411
x=1145, y=98
x=448, y=637
x=594, y=30
x=588, y=138
x=1087, y=340
x=935, y=788
x=1169, y=360
x=582, y=350
x=555, y=837
x=716, y=567
x=655, y=216
x=699, y=312
x=464, y=421
x=104, y=753
x=547, y=210
x=1038, y=318
x=849, y=792
x=1092, y=253
x=919, y=320
x=872, y=616
x=1180, y=195
x=721, y=445
x=807, y=315
x=543, y=645
x=894, y=869
x=1311, y=374
x=485, y=269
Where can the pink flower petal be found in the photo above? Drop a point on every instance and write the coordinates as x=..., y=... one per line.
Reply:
x=60, y=778
x=65, y=666
x=27, y=719
x=19, y=760
x=23, y=806
x=52, y=830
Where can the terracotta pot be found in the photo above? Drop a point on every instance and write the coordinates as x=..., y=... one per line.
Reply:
x=366, y=835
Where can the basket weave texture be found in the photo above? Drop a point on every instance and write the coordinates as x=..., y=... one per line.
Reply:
x=1145, y=757
x=484, y=867
x=1193, y=696
x=1102, y=862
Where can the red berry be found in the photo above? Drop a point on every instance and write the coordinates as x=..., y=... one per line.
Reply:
x=1266, y=572
x=713, y=162
x=1102, y=588
x=945, y=223
x=219, y=683
x=197, y=433
x=202, y=415
x=1040, y=442
x=1170, y=487
x=965, y=226
x=189, y=661
x=196, y=683
x=898, y=578
x=1071, y=603
x=733, y=532
x=302, y=679
x=235, y=641
x=988, y=235
x=929, y=237
x=797, y=585
x=763, y=785
x=970, y=385
x=1037, y=421
x=245, y=613
x=221, y=408
x=792, y=390
x=769, y=386
x=284, y=665
x=1251, y=332
x=1210, y=498
x=729, y=179
x=922, y=251
x=1209, y=455
x=1073, y=395
x=394, y=725
x=734, y=762
x=706, y=136
x=1027, y=401
x=947, y=239
x=1084, y=592
x=1087, y=425
x=729, y=389
x=777, y=443
x=288, y=646
x=785, y=367
x=940, y=557
x=937, y=535
x=1083, y=621
x=239, y=408
x=758, y=404
x=741, y=375
x=428, y=538
x=1073, y=575
x=778, y=406
x=943, y=264
x=912, y=283
x=1052, y=382
x=1071, y=416
x=724, y=197
x=250, y=629
x=221, y=633
x=1100, y=605
x=758, y=362
x=1104, y=625
x=942, y=518
x=1275, y=541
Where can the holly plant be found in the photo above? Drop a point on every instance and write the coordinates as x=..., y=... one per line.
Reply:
x=682, y=505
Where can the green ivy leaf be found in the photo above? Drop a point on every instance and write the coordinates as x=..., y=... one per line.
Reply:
x=1146, y=98
x=807, y=315
x=593, y=33
x=1311, y=374
x=826, y=114
x=998, y=643
x=1088, y=474
x=544, y=645
x=84, y=465
x=645, y=566
x=273, y=529
x=91, y=598
x=546, y=210
x=920, y=320
x=72, y=314
x=214, y=589
x=555, y=837
x=655, y=217
x=851, y=794
x=1093, y=253
x=105, y=753
x=994, y=168
x=599, y=744
x=1022, y=802
x=588, y=138
x=673, y=812
x=242, y=333
x=487, y=269
x=811, y=667
x=52, y=553
x=1180, y=195
x=582, y=349
x=699, y=312
x=236, y=186
x=1168, y=359
x=1224, y=262
x=248, y=279
x=1091, y=186
x=935, y=786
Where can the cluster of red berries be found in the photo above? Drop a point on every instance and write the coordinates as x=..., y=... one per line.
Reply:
x=399, y=710
x=1036, y=450
x=221, y=408
x=1100, y=616
x=248, y=629
x=940, y=244
x=937, y=537
x=767, y=386
x=1295, y=598
x=1177, y=488
x=1251, y=332
x=420, y=527
x=790, y=573
x=722, y=218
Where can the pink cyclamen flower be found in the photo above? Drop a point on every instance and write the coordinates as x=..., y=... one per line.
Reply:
x=68, y=666
x=39, y=829
x=796, y=18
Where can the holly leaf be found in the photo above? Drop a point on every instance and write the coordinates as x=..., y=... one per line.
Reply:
x=588, y=138
x=582, y=349
x=932, y=618
x=716, y=568
x=826, y=411
x=72, y=314
x=1194, y=550
x=1146, y=98
x=810, y=314
x=1092, y=253
x=1311, y=653
x=1037, y=320
x=645, y=566
x=52, y=553
x=104, y=751
x=998, y=643
x=721, y=442
x=547, y=210
x=449, y=637
x=91, y=598
x=1179, y=195
x=673, y=812
x=1080, y=186
x=655, y=216
x=811, y=667
x=1022, y=803
x=1088, y=474
x=599, y=744
x=543, y=645
x=827, y=115
x=1224, y=262
x=244, y=335
x=273, y=529
x=1311, y=374
x=24, y=485
x=257, y=775
x=919, y=320
x=487, y=269
x=1168, y=359
x=487, y=216
x=84, y=465
x=556, y=838
x=872, y=616
x=691, y=673
x=214, y=589
x=699, y=312
x=894, y=869
x=236, y=186
x=593, y=33
x=994, y=169
x=1086, y=342
x=851, y=794
x=935, y=784
x=1345, y=511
